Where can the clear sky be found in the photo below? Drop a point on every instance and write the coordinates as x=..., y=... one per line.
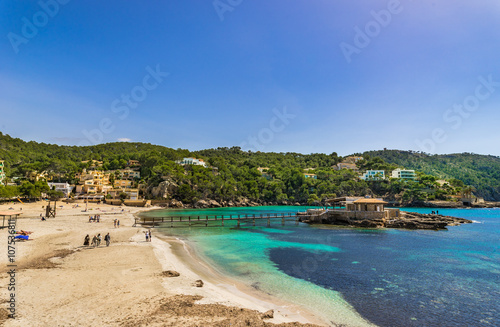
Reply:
x=300, y=76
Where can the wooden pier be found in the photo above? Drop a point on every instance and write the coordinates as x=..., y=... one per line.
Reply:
x=188, y=221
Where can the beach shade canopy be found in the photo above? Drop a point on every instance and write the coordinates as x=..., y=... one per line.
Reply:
x=8, y=215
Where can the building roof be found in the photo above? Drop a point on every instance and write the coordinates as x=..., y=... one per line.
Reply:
x=344, y=199
x=370, y=201
x=9, y=213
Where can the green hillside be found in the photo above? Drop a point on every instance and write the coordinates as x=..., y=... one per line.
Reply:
x=480, y=171
x=233, y=173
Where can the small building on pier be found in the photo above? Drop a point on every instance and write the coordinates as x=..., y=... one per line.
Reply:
x=360, y=208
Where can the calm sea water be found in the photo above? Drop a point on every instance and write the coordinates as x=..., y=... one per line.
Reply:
x=388, y=277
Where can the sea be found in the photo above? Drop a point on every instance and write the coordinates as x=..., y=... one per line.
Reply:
x=383, y=277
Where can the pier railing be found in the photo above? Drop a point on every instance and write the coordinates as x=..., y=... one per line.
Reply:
x=171, y=221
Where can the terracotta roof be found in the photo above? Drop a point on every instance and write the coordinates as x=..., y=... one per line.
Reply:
x=370, y=201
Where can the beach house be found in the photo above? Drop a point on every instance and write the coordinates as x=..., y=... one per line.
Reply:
x=2, y=172
x=404, y=174
x=373, y=175
x=65, y=188
x=345, y=208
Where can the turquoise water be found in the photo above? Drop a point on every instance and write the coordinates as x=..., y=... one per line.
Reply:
x=388, y=277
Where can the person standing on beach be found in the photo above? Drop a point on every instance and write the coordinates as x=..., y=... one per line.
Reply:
x=118, y=223
x=147, y=236
x=94, y=241
x=150, y=236
x=114, y=223
x=86, y=241
x=99, y=239
x=107, y=238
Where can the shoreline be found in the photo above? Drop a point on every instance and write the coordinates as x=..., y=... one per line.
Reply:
x=121, y=285
x=219, y=287
x=188, y=253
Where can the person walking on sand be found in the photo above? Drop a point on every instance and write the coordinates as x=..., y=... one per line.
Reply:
x=114, y=223
x=150, y=236
x=118, y=223
x=99, y=239
x=147, y=236
x=107, y=238
x=94, y=241
x=86, y=241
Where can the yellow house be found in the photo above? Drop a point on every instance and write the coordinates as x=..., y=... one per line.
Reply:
x=122, y=183
x=93, y=182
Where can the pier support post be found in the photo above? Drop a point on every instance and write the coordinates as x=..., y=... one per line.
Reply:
x=268, y=221
x=171, y=222
x=206, y=222
x=222, y=220
x=189, y=221
x=238, y=223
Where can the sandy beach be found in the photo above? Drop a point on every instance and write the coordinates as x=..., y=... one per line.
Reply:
x=60, y=282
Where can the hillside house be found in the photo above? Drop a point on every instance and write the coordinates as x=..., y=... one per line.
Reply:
x=373, y=175
x=404, y=174
x=192, y=161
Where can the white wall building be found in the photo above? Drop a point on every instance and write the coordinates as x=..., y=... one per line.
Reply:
x=192, y=161
x=62, y=187
x=373, y=175
x=404, y=174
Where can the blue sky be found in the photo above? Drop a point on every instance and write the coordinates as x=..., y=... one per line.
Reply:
x=299, y=76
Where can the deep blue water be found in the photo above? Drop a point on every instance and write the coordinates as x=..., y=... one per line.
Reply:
x=390, y=277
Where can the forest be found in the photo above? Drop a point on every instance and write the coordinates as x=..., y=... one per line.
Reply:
x=232, y=173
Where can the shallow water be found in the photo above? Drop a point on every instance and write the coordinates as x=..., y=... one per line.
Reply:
x=390, y=277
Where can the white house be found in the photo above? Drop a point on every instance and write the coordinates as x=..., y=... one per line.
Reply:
x=62, y=187
x=373, y=175
x=403, y=174
x=192, y=161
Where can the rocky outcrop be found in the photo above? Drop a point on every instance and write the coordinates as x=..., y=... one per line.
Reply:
x=406, y=220
x=176, y=204
x=201, y=204
x=164, y=190
x=413, y=220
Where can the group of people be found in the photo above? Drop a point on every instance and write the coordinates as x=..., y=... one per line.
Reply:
x=96, y=218
x=149, y=236
x=435, y=212
x=96, y=240
x=116, y=223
